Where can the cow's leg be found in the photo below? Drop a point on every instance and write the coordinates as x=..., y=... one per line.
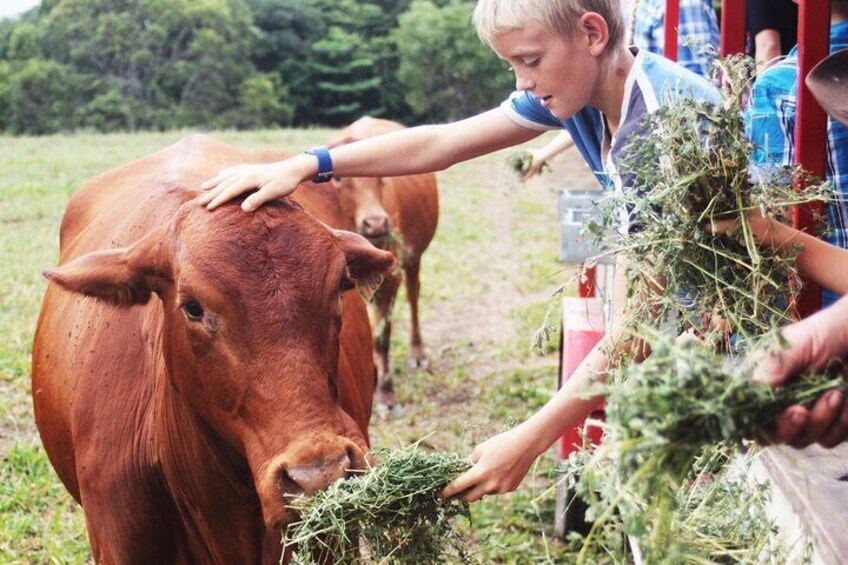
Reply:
x=384, y=300
x=411, y=270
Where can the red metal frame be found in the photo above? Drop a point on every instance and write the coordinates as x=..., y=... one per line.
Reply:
x=810, y=125
x=732, y=27
x=672, y=22
x=586, y=283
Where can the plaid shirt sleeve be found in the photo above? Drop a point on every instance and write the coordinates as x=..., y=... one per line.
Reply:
x=770, y=119
x=698, y=26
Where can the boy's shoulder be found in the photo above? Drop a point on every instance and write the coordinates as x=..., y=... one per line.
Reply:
x=663, y=82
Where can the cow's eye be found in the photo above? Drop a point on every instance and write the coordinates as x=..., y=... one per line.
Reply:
x=193, y=310
x=347, y=283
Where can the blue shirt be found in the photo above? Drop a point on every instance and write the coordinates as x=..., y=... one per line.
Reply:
x=698, y=27
x=770, y=119
x=653, y=82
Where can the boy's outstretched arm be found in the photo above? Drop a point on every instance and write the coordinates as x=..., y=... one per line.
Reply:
x=415, y=150
x=501, y=463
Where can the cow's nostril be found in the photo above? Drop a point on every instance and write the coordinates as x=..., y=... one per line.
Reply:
x=286, y=484
x=349, y=463
x=375, y=225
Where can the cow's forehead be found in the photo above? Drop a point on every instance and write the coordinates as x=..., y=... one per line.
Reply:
x=278, y=240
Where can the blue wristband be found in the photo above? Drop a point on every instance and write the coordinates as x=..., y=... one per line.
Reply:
x=325, y=163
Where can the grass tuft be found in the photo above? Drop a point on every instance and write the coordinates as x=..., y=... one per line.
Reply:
x=387, y=514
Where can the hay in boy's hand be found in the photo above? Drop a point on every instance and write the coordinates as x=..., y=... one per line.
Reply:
x=520, y=161
x=387, y=514
x=684, y=397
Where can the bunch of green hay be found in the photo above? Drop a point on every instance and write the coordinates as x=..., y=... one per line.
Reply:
x=388, y=514
x=520, y=161
x=672, y=422
x=717, y=515
x=690, y=170
x=686, y=397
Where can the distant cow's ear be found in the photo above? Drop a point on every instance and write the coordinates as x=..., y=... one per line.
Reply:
x=123, y=276
x=341, y=141
x=366, y=263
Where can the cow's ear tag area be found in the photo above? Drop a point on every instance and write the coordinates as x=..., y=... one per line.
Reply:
x=366, y=263
x=124, y=276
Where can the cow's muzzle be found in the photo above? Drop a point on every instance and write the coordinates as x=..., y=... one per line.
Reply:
x=305, y=468
x=375, y=228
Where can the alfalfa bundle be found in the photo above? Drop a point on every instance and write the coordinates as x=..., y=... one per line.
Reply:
x=673, y=422
x=389, y=513
x=692, y=169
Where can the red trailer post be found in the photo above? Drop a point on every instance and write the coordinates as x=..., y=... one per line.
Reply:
x=732, y=27
x=810, y=125
x=672, y=22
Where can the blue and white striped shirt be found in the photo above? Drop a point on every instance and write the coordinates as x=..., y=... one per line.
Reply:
x=698, y=25
x=770, y=119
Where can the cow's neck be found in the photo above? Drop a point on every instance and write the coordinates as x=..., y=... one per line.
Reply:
x=209, y=482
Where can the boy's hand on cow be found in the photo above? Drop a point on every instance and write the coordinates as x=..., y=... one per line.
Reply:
x=500, y=464
x=270, y=180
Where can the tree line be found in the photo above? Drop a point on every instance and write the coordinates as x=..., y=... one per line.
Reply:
x=116, y=65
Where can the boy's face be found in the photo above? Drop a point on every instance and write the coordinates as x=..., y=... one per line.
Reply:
x=562, y=72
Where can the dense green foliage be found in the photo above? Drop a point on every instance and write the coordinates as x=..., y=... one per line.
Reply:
x=113, y=65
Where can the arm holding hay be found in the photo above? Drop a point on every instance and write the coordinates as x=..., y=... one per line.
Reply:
x=502, y=462
x=820, y=261
x=544, y=154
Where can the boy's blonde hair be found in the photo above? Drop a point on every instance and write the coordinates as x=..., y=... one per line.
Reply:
x=492, y=17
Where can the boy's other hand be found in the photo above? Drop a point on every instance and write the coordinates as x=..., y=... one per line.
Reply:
x=270, y=180
x=535, y=165
x=500, y=464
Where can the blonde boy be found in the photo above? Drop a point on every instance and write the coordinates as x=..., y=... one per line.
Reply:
x=572, y=72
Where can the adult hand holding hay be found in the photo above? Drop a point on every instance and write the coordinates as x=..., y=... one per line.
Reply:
x=812, y=344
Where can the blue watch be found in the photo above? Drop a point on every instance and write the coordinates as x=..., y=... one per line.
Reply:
x=325, y=164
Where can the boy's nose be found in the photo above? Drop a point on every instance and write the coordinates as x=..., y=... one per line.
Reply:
x=522, y=83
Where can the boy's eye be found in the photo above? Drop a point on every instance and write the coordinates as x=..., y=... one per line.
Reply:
x=532, y=63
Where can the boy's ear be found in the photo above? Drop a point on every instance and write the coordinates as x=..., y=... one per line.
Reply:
x=596, y=31
x=366, y=263
x=125, y=276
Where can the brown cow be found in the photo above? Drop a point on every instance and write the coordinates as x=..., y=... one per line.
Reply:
x=182, y=423
x=398, y=214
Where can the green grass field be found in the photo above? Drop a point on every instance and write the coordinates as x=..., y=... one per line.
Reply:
x=486, y=282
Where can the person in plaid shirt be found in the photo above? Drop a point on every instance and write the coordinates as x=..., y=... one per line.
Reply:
x=698, y=27
x=770, y=120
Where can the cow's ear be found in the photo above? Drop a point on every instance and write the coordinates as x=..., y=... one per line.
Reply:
x=123, y=276
x=366, y=263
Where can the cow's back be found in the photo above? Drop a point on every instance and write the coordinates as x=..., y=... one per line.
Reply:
x=93, y=363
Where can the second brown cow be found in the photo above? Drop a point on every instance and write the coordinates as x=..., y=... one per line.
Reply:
x=398, y=214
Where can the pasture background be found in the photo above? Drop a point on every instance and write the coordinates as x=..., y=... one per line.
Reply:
x=486, y=282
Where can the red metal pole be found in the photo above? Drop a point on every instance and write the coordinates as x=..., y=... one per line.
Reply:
x=586, y=286
x=811, y=124
x=672, y=22
x=732, y=27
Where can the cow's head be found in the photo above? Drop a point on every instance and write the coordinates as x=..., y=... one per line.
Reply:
x=252, y=307
x=362, y=205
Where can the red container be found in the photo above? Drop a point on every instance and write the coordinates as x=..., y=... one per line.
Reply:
x=582, y=329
